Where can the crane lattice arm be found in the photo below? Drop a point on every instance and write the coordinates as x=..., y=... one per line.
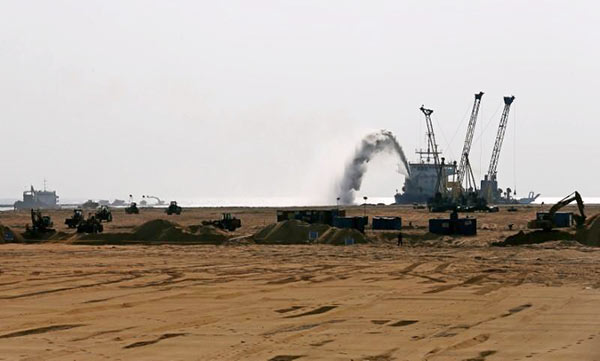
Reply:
x=462, y=166
x=492, y=170
x=431, y=143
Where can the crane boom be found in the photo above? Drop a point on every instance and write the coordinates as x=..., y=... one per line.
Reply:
x=462, y=166
x=431, y=143
x=492, y=170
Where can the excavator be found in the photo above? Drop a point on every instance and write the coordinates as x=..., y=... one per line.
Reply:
x=546, y=220
x=40, y=225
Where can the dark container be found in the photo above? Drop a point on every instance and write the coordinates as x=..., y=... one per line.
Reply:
x=561, y=220
x=387, y=223
x=323, y=216
x=358, y=223
x=466, y=226
x=440, y=226
x=460, y=226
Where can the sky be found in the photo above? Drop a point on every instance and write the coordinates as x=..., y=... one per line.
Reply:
x=263, y=99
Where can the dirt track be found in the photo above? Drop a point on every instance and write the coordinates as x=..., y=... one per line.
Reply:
x=280, y=303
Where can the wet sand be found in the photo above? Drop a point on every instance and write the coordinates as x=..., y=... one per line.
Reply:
x=453, y=301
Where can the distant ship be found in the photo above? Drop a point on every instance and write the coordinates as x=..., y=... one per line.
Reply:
x=37, y=199
x=530, y=199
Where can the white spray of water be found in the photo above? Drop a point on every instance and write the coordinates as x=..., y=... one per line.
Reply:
x=372, y=144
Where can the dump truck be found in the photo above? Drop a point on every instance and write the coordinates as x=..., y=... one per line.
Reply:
x=173, y=208
x=103, y=214
x=75, y=219
x=227, y=222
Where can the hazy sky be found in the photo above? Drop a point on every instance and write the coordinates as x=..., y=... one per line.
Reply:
x=208, y=99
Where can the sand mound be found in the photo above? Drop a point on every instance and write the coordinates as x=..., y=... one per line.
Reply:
x=338, y=236
x=534, y=238
x=159, y=231
x=298, y=232
x=590, y=234
x=7, y=235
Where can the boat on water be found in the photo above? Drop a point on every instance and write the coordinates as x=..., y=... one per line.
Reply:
x=42, y=199
x=529, y=199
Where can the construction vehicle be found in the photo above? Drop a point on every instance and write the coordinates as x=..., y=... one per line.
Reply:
x=159, y=202
x=40, y=224
x=440, y=202
x=489, y=185
x=547, y=220
x=90, y=225
x=173, y=208
x=464, y=172
x=132, y=209
x=75, y=219
x=228, y=222
x=104, y=214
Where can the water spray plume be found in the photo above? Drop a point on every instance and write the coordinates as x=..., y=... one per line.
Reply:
x=370, y=145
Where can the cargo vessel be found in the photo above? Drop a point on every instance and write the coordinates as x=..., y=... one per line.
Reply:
x=38, y=199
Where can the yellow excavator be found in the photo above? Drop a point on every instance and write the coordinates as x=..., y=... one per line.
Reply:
x=546, y=220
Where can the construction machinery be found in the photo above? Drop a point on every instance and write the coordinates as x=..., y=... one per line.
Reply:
x=159, y=202
x=132, y=209
x=431, y=143
x=104, y=214
x=75, y=219
x=548, y=220
x=173, y=208
x=489, y=185
x=440, y=201
x=227, y=222
x=463, y=166
x=40, y=224
x=90, y=225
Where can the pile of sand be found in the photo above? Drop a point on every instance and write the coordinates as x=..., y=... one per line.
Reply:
x=534, y=237
x=590, y=234
x=159, y=231
x=7, y=235
x=298, y=232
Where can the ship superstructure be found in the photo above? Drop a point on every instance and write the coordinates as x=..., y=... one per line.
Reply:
x=430, y=174
x=43, y=199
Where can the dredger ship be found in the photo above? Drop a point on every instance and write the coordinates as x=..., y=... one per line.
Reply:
x=433, y=175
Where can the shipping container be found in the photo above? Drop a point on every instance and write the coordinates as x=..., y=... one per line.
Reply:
x=387, y=223
x=322, y=216
x=561, y=220
x=454, y=225
x=358, y=223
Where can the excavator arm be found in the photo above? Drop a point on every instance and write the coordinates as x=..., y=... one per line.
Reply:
x=575, y=196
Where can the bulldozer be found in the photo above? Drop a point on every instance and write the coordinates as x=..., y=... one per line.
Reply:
x=103, y=214
x=547, y=220
x=75, y=219
x=40, y=224
x=173, y=208
x=90, y=225
x=227, y=222
x=132, y=209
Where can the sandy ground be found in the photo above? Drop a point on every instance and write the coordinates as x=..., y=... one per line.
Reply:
x=250, y=302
